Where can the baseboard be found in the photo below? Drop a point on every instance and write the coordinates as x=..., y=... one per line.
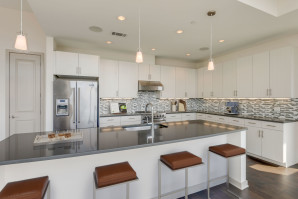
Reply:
x=240, y=185
x=266, y=160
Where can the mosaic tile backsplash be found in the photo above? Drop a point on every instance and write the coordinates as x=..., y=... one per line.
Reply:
x=252, y=107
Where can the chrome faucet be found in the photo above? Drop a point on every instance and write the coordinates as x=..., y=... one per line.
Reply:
x=152, y=120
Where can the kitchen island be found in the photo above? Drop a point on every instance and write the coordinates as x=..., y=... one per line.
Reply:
x=70, y=166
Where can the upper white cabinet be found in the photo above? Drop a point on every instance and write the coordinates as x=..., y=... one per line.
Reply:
x=261, y=68
x=200, y=83
x=217, y=81
x=167, y=78
x=180, y=82
x=229, y=79
x=207, y=83
x=149, y=72
x=108, y=81
x=75, y=64
x=128, y=80
x=244, y=77
x=185, y=82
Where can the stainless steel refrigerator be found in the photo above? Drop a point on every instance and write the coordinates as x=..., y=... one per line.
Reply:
x=75, y=104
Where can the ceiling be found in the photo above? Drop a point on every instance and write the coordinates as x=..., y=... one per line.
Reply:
x=235, y=22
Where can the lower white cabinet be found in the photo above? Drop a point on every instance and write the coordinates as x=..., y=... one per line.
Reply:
x=253, y=140
x=272, y=145
x=173, y=117
x=119, y=121
x=109, y=121
x=130, y=120
x=188, y=116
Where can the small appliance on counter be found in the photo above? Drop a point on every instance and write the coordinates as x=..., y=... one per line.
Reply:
x=232, y=108
x=122, y=108
x=182, y=106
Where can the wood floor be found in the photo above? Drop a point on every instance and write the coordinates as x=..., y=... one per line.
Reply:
x=265, y=182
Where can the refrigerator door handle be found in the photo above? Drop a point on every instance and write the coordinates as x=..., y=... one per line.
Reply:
x=79, y=105
x=74, y=100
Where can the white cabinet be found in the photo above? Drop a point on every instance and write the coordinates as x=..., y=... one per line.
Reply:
x=130, y=120
x=188, y=116
x=244, y=77
x=217, y=81
x=128, y=80
x=75, y=64
x=173, y=117
x=200, y=83
x=108, y=81
x=229, y=79
x=185, y=83
x=180, y=82
x=272, y=145
x=149, y=72
x=207, y=83
x=109, y=121
x=253, y=140
x=261, y=68
x=167, y=78
x=190, y=85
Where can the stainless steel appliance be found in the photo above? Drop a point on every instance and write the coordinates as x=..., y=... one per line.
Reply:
x=150, y=86
x=232, y=108
x=157, y=117
x=75, y=104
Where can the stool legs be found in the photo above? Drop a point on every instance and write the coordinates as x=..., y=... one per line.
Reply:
x=159, y=179
x=127, y=190
x=186, y=183
x=208, y=174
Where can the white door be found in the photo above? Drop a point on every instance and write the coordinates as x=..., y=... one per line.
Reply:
x=89, y=65
x=217, y=81
x=254, y=141
x=180, y=82
x=200, y=82
x=281, y=72
x=24, y=79
x=190, y=84
x=167, y=78
x=108, y=86
x=272, y=145
x=144, y=70
x=244, y=77
x=261, y=68
x=66, y=63
x=154, y=73
x=128, y=80
x=207, y=83
x=229, y=79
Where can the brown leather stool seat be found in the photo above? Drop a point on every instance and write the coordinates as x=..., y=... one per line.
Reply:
x=26, y=189
x=227, y=150
x=180, y=160
x=114, y=174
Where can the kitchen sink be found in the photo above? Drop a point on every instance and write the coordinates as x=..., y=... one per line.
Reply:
x=144, y=127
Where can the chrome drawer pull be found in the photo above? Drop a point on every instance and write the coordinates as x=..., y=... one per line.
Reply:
x=221, y=118
x=251, y=123
x=271, y=126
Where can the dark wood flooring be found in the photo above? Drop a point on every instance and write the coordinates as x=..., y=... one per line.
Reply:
x=262, y=184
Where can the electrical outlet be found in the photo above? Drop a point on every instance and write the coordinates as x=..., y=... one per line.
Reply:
x=276, y=109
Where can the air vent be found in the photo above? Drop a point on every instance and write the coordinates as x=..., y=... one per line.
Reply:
x=204, y=48
x=119, y=34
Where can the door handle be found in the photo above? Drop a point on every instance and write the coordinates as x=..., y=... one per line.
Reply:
x=12, y=116
x=79, y=105
x=259, y=133
x=74, y=108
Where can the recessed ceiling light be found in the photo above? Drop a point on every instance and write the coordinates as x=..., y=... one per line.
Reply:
x=153, y=49
x=188, y=54
x=221, y=41
x=121, y=18
x=179, y=31
x=108, y=42
x=95, y=29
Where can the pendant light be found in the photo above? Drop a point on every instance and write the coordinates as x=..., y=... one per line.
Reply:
x=211, y=63
x=21, y=41
x=139, y=57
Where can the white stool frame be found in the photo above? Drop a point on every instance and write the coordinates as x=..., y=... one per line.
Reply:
x=227, y=176
x=160, y=195
x=47, y=194
x=95, y=188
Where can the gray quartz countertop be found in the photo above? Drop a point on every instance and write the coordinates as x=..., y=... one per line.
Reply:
x=251, y=117
x=19, y=148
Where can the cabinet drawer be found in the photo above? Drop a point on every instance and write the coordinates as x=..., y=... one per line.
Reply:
x=188, y=116
x=222, y=119
x=201, y=116
x=272, y=126
x=212, y=118
x=237, y=121
x=130, y=119
x=253, y=123
x=173, y=117
x=105, y=120
x=130, y=123
x=109, y=124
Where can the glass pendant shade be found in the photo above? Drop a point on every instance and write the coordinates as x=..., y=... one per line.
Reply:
x=139, y=57
x=211, y=65
x=21, y=42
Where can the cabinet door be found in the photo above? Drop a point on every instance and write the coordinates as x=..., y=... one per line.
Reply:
x=229, y=79
x=144, y=70
x=128, y=80
x=272, y=145
x=200, y=83
x=281, y=72
x=180, y=82
x=89, y=65
x=108, y=81
x=167, y=78
x=66, y=63
x=254, y=140
x=261, y=68
x=154, y=74
x=190, y=85
x=244, y=77
x=217, y=81
x=207, y=83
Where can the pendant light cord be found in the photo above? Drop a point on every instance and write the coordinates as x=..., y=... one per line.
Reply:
x=139, y=29
x=21, y=17
x=211, y=41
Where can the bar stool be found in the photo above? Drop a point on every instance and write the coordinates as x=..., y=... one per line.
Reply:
x=36, y=188
x=226, y=151
x=114, y=174
x=177, y=161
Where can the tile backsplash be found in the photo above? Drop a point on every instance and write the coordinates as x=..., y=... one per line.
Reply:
x=255, y=107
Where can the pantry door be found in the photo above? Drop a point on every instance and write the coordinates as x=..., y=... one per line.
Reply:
x=24, y=93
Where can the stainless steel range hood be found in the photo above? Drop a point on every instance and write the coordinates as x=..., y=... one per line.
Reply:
x=150, y=86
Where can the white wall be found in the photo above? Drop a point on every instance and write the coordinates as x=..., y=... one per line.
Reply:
x=10, y=25
x=174, y=62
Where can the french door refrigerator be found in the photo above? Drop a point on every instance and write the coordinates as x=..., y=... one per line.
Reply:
x=75, y=104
